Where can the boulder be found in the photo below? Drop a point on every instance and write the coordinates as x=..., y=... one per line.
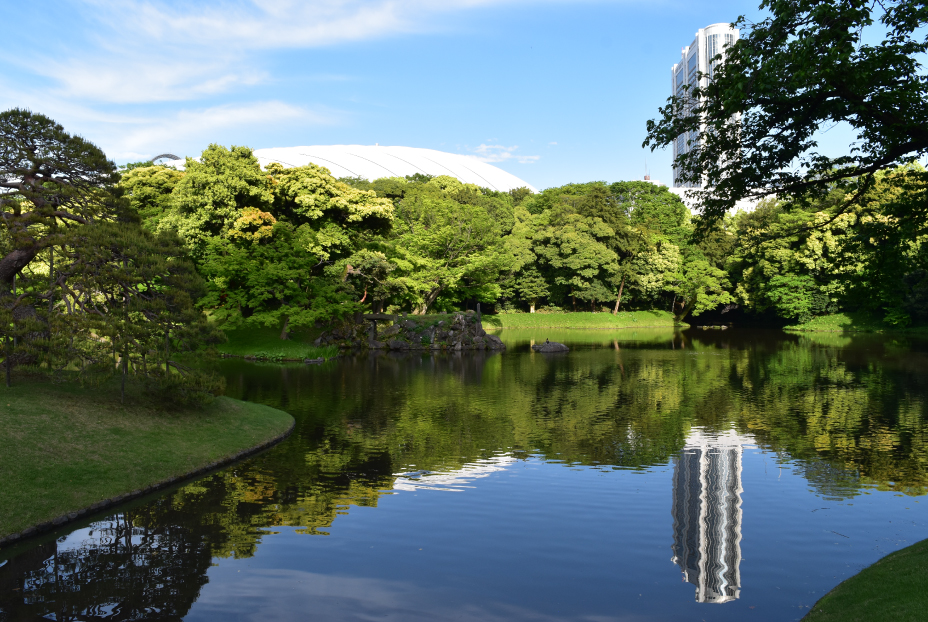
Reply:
x=495, y=342
x=389, y=332
x=395, y=344
x=550, y=346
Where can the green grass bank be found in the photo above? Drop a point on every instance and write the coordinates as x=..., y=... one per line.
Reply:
x=624, y=319
x=66, y=447
x=894, y=588
x=852, y=323
x=265, y=343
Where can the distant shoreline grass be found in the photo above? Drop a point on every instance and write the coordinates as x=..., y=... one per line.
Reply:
x=265, y=343
x=894, y=588
x=852, y=323
x=624, y=319
x=66, y=447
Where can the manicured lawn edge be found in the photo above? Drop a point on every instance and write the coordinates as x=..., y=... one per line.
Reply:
x=231, y=406
x=265, y=344
x=586, y=320
x=894, y=588
x=852, y=323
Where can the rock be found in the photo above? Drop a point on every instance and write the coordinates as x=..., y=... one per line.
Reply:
x=393, y=330
x=376, y=345
x=495, y=342
x=396, y=344
x=314, y=361
x=408, y=325
x=551, y=346
x=481, y=332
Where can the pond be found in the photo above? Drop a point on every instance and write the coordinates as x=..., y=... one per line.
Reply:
x=646, y=475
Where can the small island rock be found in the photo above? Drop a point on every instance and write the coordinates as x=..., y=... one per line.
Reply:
x=550, y=346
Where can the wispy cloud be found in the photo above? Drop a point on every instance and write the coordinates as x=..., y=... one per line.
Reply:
x=500, y=153
x=197, y=126
x=139, y=51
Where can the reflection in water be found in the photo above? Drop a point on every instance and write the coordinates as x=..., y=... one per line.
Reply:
x=455, y=480
x=848, y=416
x=149, y=573
x=707, y=515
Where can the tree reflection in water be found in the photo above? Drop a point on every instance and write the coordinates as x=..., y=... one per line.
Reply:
x=849, y=413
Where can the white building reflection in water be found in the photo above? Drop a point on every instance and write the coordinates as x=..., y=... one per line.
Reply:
x=707, y=514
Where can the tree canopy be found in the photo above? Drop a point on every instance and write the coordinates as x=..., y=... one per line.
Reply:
x=49, y=181
x=808, y=66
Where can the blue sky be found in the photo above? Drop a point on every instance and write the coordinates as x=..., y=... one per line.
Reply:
x=551, y=91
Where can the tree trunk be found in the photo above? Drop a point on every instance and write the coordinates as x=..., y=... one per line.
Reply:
x=618, y=300
x=125, y=373
x=429, y=300
x=167, y=350
x=574, y=300
x=9, y=360
x=283, y=331
x=531, y=307
x=685, y=311
x=13, y=262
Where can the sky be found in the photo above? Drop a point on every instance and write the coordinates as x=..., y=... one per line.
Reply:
x=553, y=91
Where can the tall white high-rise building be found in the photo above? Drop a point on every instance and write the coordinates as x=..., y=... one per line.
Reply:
x=697, y=57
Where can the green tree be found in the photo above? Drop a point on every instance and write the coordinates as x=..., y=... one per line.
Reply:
x=809, y=65
x=702, y=288
x=148, y=190
x=273, y=245
x=447, y=241
x=50, y=181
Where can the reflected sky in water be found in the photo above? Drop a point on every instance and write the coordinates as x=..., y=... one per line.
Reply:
x=645, y=475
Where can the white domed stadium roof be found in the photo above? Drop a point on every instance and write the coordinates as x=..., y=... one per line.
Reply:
x=374, y=162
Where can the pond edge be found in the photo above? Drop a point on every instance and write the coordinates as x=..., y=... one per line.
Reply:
x=93, y=508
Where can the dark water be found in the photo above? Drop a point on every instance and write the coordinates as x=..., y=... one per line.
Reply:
x=643, y=476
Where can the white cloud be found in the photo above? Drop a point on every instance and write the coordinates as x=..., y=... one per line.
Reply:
x=142, y=51
x=132, y=137
x=500, y=153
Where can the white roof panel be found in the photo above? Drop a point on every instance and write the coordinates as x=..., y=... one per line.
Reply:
x=374, y=162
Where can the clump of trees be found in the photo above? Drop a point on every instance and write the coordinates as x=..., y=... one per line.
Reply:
x=83, y=285
x=290, y=248
x=296, y=247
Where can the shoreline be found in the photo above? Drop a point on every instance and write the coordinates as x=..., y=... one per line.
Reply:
x=100, y=506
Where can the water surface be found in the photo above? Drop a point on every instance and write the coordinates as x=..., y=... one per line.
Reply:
x=645, y=475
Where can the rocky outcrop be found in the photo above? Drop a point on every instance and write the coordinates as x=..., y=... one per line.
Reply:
x=455, y=332
x=550, y=346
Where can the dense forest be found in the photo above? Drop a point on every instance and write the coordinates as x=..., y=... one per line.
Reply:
x=292, y=247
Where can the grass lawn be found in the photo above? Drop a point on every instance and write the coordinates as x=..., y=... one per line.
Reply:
x=65, y=447
x=852, y=323
x=895, y=588
x=624, y=319
x=266, y=343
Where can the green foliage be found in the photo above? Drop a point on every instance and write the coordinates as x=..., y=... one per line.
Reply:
x=84, y=286
x=806, y=66
x=893, y=588
x=446, y=245
x=265, y=343
x=272, y=244
x=541, y=319
x=149, y=191
x=102, y=447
